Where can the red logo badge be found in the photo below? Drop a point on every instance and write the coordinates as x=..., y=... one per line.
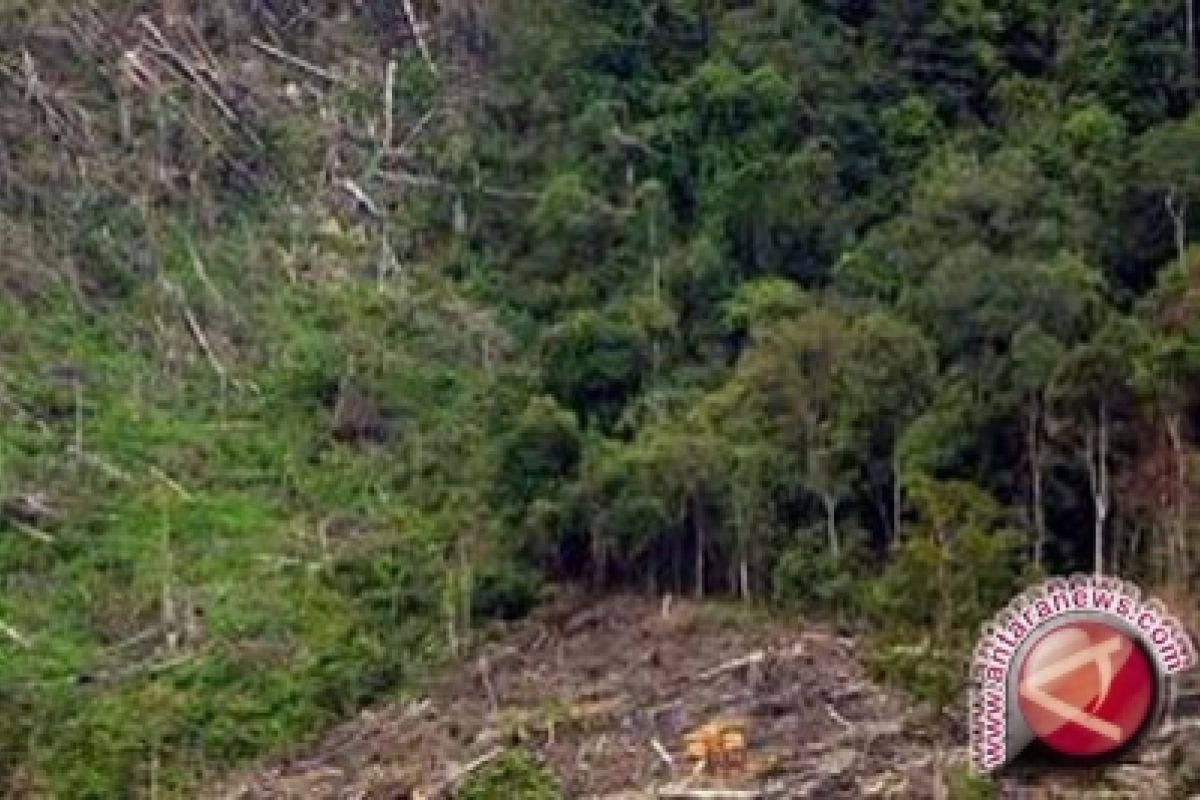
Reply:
x=1086, y=689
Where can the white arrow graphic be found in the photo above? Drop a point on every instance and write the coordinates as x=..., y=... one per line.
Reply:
x=1098, y=654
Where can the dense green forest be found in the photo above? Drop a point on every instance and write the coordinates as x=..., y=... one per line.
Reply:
x=330, y=331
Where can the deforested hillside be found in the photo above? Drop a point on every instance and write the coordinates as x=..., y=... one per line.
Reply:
x=627, y=698
x=605, y=699
x=244, y=409
x=332, y=332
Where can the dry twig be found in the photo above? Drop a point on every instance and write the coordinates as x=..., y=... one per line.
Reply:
x=447, y=787
x=360, y=196
x=418, y=30
x=662, y=753
x=159, y=45
x=170, y=482
x=756, y=657
x=15, y=635
x=296, y=61
x=32, y=532
x=836, y=717
x=684, y=793
x=107, y=467
x=389, y=92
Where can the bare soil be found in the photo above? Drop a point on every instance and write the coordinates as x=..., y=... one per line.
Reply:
x=605, y=693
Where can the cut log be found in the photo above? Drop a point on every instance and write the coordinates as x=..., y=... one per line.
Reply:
x=447, y=787
x=729, y=666
x=684, y=793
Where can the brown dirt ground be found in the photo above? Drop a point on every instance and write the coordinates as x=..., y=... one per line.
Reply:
x=596, y=687
x=592, y=686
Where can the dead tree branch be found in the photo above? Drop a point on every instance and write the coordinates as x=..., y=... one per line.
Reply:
x=207, y=84
x=32, y=532
x=418, y=29
x=756, y=657
x=447, y=787
x=15, y=635
x=296, y=61
x=107, y=467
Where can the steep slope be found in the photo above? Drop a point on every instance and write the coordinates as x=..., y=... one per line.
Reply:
x=604, y=698
x=233, y=398
x=605, y=693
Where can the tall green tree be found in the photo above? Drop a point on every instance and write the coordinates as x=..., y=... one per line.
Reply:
x=1092, y=382
x=1036, y=358
x=1166, y=373
x=797, y=368
x=888, y=379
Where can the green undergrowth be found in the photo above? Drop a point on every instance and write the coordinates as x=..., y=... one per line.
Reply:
x=515, y=774
x=302, y=567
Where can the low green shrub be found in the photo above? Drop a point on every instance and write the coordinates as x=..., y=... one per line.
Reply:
x=808, y=577
x=515, y=775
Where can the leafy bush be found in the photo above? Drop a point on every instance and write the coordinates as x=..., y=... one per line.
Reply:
x=964, y=784
x=505, y=590
x=515, y=775
x=539, y=453
x=807, y=576
x=955, y=568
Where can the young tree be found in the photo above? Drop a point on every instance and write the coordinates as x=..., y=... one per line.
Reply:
x=753, y=464
x=656, y=498
x=681, y=460
x=593, y=363
x=796, y=367
x=1093, y=380
x=955, y=565
x=887, y=382
x=1036, y=356
x=1166, y=165
x=1168, y=369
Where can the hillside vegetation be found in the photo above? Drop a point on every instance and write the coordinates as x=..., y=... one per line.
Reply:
x=330, y=331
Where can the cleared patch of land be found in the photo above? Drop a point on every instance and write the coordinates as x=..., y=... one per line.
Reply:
x=606, y=693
